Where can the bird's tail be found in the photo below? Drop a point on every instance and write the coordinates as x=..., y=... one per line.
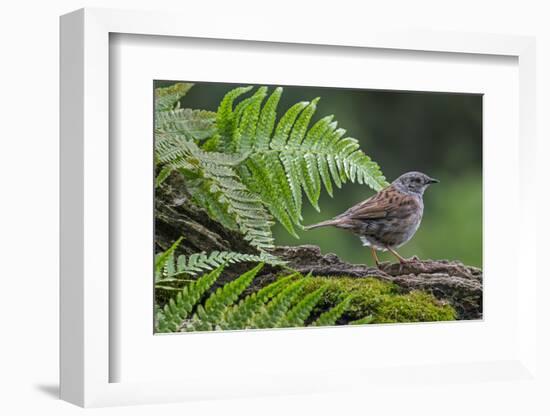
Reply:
x=322, y=224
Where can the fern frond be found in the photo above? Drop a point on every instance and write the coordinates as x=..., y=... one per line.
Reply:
x=310, y=180
x=366, y=320
x=163, y=175
x=333, y=314
x=164, y=258
x=178, y=152
x=253, y=219
x=167, y=98
x=239, y=316
x=192, y=124
x=201, y=262
x=254, y=168
x=299, y=128
x=179, y=307
x=280, y=304
x=296, y=158
x=211, y=313
x=211, y=203
x=266, y=122
x=245, y=133
x=273, y=313
x=300, y=312
x=268, y=186
x=235, y=204
x=226, y=120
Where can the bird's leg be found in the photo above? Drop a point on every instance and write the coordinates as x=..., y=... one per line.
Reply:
x=402, y=260
x=375, y=257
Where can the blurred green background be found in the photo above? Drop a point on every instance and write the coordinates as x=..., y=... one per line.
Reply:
x=439, y=134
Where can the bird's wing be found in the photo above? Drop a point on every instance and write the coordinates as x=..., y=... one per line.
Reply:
x=378, y=206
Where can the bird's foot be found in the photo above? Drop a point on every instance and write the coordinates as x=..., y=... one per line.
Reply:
x=404, y=262
x=401, y=264
x=413, y=259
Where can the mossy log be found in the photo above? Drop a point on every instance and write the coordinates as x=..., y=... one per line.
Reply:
x=449, y=281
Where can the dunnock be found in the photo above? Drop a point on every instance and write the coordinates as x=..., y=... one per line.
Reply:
x=388, y=219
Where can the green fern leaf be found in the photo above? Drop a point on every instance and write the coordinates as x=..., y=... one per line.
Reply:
x=244, y=140
x=299, y=129
x=211, y=144
x=201, y=262
x=163, y=175
x=210, y=201
x=167, y=98
x=322, y=165
x=310, y=179
x=273, y=313
x=259, y=169
x=179, y=307
x=221, y=191
x=191, y=124
x=239, y=316
x=332, y=315
x=226, y=120
x=363, y=321
x=213, y=310
x=306, y=157
x=300, y=312
x=263, y=167
x=317, y=132
x=267, y=120
x=165, y=257
x=282, y=188
x=284, y=126
x=293, y=175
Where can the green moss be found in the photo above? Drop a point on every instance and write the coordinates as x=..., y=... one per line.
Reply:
x=383, y=301
x=415, y=306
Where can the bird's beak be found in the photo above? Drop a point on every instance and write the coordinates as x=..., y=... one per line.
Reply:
x=432, y=180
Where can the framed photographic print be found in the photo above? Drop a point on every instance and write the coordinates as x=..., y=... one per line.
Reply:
x=235, y=183
x=241, y=214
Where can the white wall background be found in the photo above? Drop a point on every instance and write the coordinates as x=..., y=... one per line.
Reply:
x=29, y=56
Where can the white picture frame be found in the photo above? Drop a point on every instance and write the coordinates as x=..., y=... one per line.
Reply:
x=86, y=354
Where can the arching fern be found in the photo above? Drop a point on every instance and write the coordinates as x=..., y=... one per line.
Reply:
x=332, y=315
x=215, y=185
x=255, y=168
x=170, y=268
x=191, y=124
x=282, y=304
x=179, y=307
x=167, y=98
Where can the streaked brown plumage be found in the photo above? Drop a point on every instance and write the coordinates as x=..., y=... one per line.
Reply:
x=388, y=219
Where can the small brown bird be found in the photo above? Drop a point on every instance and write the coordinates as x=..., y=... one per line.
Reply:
x=388, y=219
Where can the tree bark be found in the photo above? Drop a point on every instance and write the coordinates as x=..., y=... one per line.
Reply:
x=450, y=281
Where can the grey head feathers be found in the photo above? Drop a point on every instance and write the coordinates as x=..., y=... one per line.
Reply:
x=413, y=183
